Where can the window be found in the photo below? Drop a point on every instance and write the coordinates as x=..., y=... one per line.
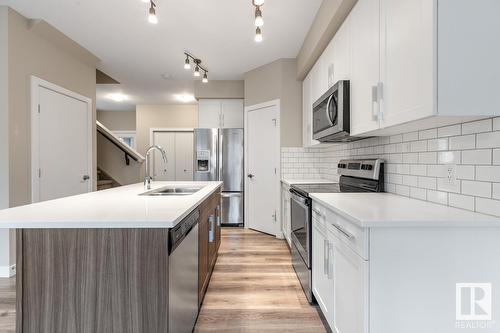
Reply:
x=127, y=137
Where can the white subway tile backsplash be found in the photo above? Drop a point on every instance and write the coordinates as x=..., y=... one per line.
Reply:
x=475, y=188
x=479, y=126
x=416, y=163
x=463, y=142
x=461, y=201
x=488, y=173
x=428, y=134
x=450, y=131
x=476, y=156
x=488, y=206
x=488, y=140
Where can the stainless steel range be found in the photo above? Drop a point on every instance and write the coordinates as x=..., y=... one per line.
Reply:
x=355, y=176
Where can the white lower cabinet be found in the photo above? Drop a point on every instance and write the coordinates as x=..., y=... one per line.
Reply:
x=286, y=218
x=322, y=271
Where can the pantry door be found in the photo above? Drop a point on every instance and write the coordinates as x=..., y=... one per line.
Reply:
x=179, y=147
x=61, y=142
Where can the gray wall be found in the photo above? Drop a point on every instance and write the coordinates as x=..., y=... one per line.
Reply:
x=117, y=120
x=277, y=80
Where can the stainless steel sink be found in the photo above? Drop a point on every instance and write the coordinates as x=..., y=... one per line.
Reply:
x=173, y=190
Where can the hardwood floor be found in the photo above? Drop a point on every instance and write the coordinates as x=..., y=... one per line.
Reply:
x=8, y=305
x=254, y=289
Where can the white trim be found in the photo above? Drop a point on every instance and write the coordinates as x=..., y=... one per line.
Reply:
x=36, y=83
x=277, y=149
x=7, y=271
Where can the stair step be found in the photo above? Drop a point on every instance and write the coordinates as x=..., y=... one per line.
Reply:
x=104, y=182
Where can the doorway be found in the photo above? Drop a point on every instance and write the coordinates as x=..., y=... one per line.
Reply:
x=61, y=142
x=262, y=167
x=179, y=146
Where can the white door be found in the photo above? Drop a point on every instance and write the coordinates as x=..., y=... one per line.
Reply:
x=62, y=138
x=184, y=151
x=262, y=161
x=162, y=170
x=232, y=113
x=209, y=113
x=407, y=53
x=364, y=26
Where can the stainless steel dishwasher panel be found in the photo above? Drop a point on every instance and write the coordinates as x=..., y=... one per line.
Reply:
x=183, y=285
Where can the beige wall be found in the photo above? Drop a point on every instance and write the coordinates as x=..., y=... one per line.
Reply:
x=162, y=116
x=32, y=52
x=117, y=120
x=328, y=20
x=277, y=80
x=219, y=89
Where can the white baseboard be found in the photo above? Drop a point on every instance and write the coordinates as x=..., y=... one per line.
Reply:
x=7, y=271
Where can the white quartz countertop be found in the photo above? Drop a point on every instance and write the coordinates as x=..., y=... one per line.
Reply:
x=289, y=181
x=390, y=210
x=120, y=207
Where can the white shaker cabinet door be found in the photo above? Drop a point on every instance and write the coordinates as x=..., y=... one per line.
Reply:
x=307, y=103
x=341, y=68
x=407, y=58
x=209, y=113
x=232, y=113
x=350, y=291
x=364, y=74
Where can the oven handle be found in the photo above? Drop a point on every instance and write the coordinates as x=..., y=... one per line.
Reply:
x=303, y=202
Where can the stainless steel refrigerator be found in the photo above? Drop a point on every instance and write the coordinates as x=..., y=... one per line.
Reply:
x=219, y=156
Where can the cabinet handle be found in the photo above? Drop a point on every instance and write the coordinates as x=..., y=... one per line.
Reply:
x=374, y=102
x=344, y=232
x=211, y=220
x=325, y=257
x=380, y=100
x=218, y=215
x=223, y=120
x=317, y=212
x=329, y=272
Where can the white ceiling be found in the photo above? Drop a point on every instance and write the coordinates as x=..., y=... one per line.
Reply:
x=148, y=59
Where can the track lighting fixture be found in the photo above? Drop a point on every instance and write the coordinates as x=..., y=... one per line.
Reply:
x=259, y=21
x=197, y=67
x=152, y=13
x=258, y=35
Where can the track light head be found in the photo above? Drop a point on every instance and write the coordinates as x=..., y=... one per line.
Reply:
x=205, y=78
x=258, y=2
x=152, y=14
x=258, y=35
x=187, y=65
x=259, y=21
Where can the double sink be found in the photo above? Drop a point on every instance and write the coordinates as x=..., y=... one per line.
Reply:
x=173, y=190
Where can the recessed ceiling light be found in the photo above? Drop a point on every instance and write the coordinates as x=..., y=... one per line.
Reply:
x=117, y=97
x=185, y=98
x=258, y=2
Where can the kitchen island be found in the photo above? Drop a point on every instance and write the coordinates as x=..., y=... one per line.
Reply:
x=99, y=262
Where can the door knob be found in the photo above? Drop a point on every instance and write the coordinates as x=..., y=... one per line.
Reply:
x=86, y=177
x=250, y=175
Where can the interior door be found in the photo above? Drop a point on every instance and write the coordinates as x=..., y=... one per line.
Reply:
x=365, y=64
x=64, y=144
x=161, y=170
x=262, y=162
x=184, y=156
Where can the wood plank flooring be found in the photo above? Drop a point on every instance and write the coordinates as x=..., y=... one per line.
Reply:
x=254, y=289
x=8, y=305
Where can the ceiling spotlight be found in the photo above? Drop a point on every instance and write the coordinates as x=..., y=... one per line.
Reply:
x=197, y=71
x=258, y=2
x=205, y=78
x=259, y=21
x=117, y=97
x=258, y=35
x=187, y=65
x=152, y=14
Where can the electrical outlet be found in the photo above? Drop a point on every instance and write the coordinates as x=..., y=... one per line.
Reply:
x=451, y=174
x=449, y=181
x=12, y=270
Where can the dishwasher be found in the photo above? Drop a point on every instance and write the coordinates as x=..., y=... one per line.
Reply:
x=183, y=275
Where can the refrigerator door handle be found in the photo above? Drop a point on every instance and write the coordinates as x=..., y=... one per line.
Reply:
x=220, y=159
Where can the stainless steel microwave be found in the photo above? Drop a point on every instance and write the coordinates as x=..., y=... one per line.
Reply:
x=331, y=115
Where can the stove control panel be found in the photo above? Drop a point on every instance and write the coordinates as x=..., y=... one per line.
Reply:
x=369, y=168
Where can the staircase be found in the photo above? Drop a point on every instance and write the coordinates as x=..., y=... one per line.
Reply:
x=104, y=181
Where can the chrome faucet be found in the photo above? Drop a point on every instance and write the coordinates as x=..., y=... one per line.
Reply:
x=148, y=178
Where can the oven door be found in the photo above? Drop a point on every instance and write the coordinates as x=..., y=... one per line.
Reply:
x=301, y=225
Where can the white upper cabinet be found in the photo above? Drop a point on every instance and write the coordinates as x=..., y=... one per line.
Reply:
x=307, y=103
x=232, y=113
x=406, y=63
x=341, y=55
x=220, y=113
x=364, y=73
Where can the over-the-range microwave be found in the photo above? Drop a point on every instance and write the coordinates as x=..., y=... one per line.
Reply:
x=331, y=115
